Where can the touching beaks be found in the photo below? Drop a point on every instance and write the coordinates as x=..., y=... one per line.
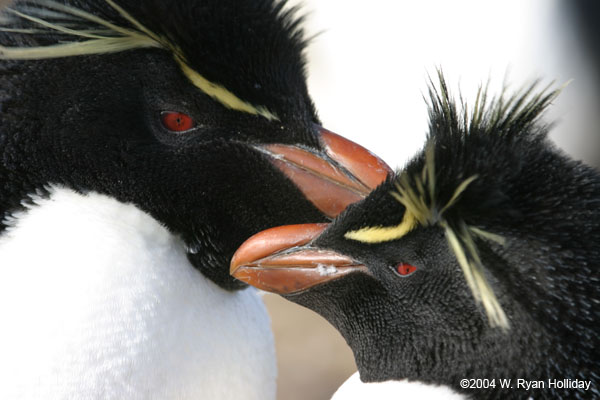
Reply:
x=341, y=175
x=281, y=260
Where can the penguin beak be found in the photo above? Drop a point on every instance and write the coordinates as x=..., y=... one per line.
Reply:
x=281, y=260
x=342, y=174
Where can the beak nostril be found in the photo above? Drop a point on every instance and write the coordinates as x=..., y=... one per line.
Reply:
x=369, y=169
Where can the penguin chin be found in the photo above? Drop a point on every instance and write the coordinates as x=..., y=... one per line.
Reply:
x=212, y=268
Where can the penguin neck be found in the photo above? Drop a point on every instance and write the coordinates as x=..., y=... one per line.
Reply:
x=387, y=348
x=526, y=352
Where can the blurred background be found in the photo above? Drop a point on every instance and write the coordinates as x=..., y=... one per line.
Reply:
x=368, y=72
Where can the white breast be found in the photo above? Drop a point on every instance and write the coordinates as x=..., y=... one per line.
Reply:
x=354, y=389
x=98, y=301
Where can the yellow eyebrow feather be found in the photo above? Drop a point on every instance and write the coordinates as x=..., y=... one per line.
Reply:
x=379, y=234
x=112, y=40
x=418, y=197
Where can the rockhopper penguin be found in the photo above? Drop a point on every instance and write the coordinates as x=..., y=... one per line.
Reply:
x=141, y=142
x=478, y=261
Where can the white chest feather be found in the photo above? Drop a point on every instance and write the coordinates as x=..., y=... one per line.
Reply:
x=98, y=301
x=355, y=389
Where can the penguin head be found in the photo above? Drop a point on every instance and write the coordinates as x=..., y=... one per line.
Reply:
x=475, y=259
x=196, y=112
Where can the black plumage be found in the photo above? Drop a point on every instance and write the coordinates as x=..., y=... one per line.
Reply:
x=121, y=118
x=92, y=122
x=490, y=200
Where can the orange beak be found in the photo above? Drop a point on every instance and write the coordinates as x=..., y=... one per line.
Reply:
x=281, y=260
x=344, y=174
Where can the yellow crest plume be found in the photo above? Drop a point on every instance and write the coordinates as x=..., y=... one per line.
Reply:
x=105, y=37
x=504, y=117
x=418, y=195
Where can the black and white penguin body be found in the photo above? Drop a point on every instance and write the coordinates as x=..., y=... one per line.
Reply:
x=109, y=307
x=140, y=144
x=478, y=261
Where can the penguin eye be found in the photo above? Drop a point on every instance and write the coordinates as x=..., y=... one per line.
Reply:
x=176, y=121
x=404, y=269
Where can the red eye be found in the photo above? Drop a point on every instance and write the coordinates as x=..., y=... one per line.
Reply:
x=405, y=269
x=177, y=122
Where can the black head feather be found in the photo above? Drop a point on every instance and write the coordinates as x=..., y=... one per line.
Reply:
x=82, y=88
x=525, y=219
x=255, y=47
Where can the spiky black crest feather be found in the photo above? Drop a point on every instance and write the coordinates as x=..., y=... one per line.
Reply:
x=509, y=119
x=430, y=194
x=504, y=116
x=485, y=148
